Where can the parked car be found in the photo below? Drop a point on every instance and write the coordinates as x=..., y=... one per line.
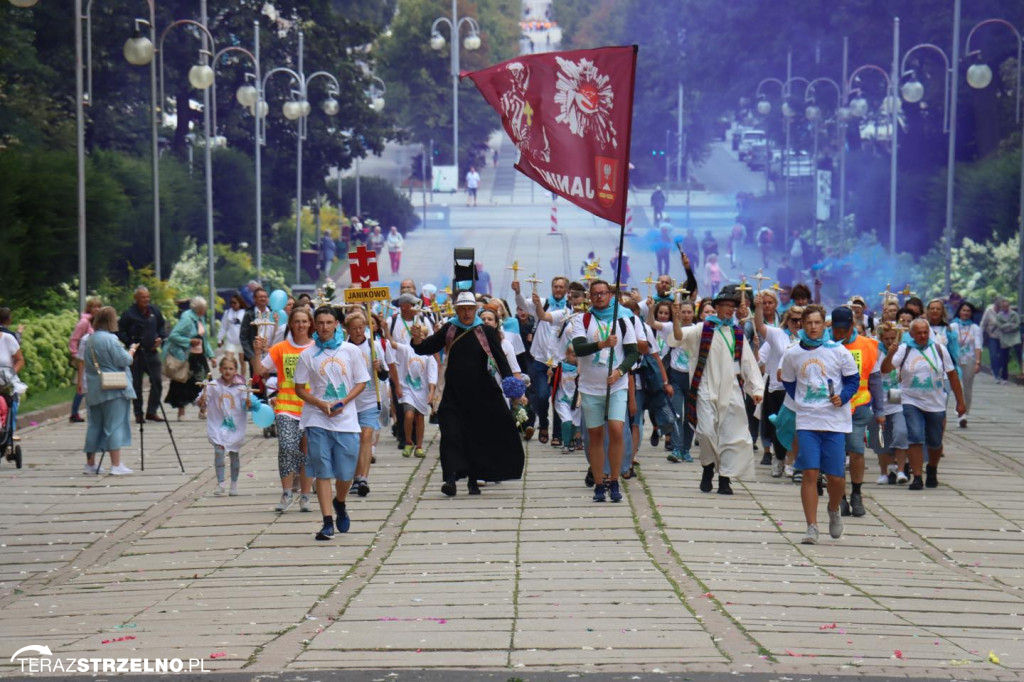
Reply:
x=749, y=139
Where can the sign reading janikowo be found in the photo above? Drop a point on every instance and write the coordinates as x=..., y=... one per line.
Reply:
x=365, y=295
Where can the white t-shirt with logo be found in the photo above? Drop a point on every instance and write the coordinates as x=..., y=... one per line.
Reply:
x=331, y=375
x=923, y=376
x=367, y=400
x=678, y=358
x=593, y=369
x=812, y=370
x=777, y=341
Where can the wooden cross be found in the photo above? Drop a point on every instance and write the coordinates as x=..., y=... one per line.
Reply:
x=886, y=295
x=532, y=279
x=515, y=270
x=776, y=287
x=760, y=277
x=649, y=281
x=743, y=286
x=907, y=292
x=680, y=292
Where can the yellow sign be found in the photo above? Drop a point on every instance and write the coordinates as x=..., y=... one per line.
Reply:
x=364, y=295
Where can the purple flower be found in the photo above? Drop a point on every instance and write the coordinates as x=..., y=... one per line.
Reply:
x=513, y=388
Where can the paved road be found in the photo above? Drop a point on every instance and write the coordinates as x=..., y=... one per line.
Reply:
x=531, y=576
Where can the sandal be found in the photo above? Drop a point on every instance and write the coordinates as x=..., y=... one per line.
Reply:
x=543, y=437
x=556, y=442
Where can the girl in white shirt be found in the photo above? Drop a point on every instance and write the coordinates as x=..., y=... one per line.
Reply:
x=968, y=336
x=226, y=402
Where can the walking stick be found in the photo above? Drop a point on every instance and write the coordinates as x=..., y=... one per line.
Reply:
x=373, y=355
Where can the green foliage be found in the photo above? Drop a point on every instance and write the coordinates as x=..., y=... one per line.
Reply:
x=379, y=200
x=980, y=271
x=45, y=347
x=161, y=293
x=987, y=196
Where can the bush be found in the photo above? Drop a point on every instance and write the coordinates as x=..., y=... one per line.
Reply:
x=45, y=347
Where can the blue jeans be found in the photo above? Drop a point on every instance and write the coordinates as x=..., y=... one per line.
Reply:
x=661, y=416
x=681, y=385
x=999, y=357
x=539, y=393
x=76, y=403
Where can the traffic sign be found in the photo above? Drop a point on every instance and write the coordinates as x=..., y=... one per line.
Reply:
x=367, y=295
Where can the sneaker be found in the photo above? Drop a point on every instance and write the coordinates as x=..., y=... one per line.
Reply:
x=916, y=484
x=326, y=532
x=304, y=503
x=901, y=478
x=599, y=492
x=219, y=491
x=675, y=457
x=797, y=476
x=811, y=536
x=286, y=501
x=588, y=480
x=892, y=474
x=857, y=504
x=614, y=494
x=75, y=419
x=92, y=470
x=931, y=477
x=844, y=507
x=655, y=437
x=566, y=450
x=362, y=487
x=884, y=479
x=835, y=524
x=343, y=522
x=407, y=451
x=419, y=453
x=120, y=470
x=449, y=489
x=766, y=459
x=788, y=471
x=778, y=468
x=233, y=490
x=686, y=457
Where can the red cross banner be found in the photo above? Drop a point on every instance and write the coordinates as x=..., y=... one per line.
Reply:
x=570, y=114
x=362, y=265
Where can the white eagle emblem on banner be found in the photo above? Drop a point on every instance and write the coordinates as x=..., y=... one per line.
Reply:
x=585, y=97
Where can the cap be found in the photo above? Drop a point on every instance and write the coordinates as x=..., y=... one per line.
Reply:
x=842, y=318
x=729, y=293
x=411, y=299
x=858, y=299
x=465, y=298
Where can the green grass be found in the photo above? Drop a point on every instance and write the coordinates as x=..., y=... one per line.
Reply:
x=38, y=400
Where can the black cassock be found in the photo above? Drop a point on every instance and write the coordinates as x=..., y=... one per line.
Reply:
x=478, y=434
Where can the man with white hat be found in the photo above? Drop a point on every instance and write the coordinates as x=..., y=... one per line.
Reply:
x=479, y=439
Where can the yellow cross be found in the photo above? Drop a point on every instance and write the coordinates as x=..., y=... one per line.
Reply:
x=649, y=281
x=515, y=270
x=907, y=292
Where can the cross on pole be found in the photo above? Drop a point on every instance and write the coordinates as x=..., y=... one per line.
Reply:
x=515, y=270
x=886, y=295
x=532, y=279
x=760, y=277
x=680, y=292
x=649, y=281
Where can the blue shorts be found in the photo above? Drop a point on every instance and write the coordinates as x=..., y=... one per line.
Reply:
x=593, y=408
x=862, y=416
x=370, y=418
x=332, y=454
x=821, y=450
x=924, y=428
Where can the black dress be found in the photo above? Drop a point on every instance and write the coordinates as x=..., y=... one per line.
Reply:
x=181, y=394
x=478, y=435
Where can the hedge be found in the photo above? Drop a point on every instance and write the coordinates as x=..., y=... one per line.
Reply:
x=44, y=344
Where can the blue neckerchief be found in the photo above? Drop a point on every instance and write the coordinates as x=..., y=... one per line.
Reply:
x=476, y=322
x=815, y=343
x=511, y=325
x=658, y=298
x=566, y=367
x=605, y=314
x=713, y=319
x=913, y=344
x=330, y=344
x=557, y=304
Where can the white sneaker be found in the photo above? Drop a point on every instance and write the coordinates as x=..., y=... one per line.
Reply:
x=789, y=471
x=811, y=536
x=778, y=466
x=286, y=501
x=901, y=478
x=234, y=490
x=883, y=479
x=219, y=490
x=92, y=469
x=835, y=524
x=304, y=503
x=120, y=470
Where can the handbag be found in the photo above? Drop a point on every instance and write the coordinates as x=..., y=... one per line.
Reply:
x=109, y=381
x=175, y=369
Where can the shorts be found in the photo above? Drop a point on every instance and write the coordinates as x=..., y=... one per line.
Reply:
x=332, y=454
x=370, y=418
x=924, y=427
x=862, y=416
x=593, y=408
x=821, y=450
x=472, y=192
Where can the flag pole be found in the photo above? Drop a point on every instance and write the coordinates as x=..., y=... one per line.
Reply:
x=622, y=237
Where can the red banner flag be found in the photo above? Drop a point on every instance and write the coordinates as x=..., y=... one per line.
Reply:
x=570, y=114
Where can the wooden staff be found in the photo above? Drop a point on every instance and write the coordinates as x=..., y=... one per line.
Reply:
x=515, y=270
x=760, y=277
x=373, y=354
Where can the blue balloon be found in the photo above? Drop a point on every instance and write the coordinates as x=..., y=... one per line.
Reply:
x=278, y=300
x=262, y=414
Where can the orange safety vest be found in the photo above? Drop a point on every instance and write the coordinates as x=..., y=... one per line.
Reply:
x=285, y=356
x=865, y=353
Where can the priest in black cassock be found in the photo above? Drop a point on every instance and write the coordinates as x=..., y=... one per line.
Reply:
x=479, y=439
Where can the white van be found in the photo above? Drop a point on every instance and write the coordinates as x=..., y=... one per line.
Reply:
x=750, y=138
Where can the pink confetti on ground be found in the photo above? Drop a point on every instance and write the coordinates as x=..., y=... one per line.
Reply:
x=219, y=654
x=118, y=639
x=898, y=654
x=842, y=631
x=827, y=627
x=251, y=475
x=796, y=655
x=439, y=621
x=708, y=595
x=33, y=423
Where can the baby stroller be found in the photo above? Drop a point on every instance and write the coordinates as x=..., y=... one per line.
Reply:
x=8, y=417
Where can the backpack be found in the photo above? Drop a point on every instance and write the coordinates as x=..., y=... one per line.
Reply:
x=650, y=375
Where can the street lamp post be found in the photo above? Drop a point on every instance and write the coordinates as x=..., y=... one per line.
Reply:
x=764, y=107
x=858, y=108
x=298, y=109
x=471, y=42
x=912, y=92
x=979, y=75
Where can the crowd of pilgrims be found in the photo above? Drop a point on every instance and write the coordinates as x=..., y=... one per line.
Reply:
x=720, y=377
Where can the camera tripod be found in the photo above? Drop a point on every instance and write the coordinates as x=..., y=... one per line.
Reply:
x=142, y=443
